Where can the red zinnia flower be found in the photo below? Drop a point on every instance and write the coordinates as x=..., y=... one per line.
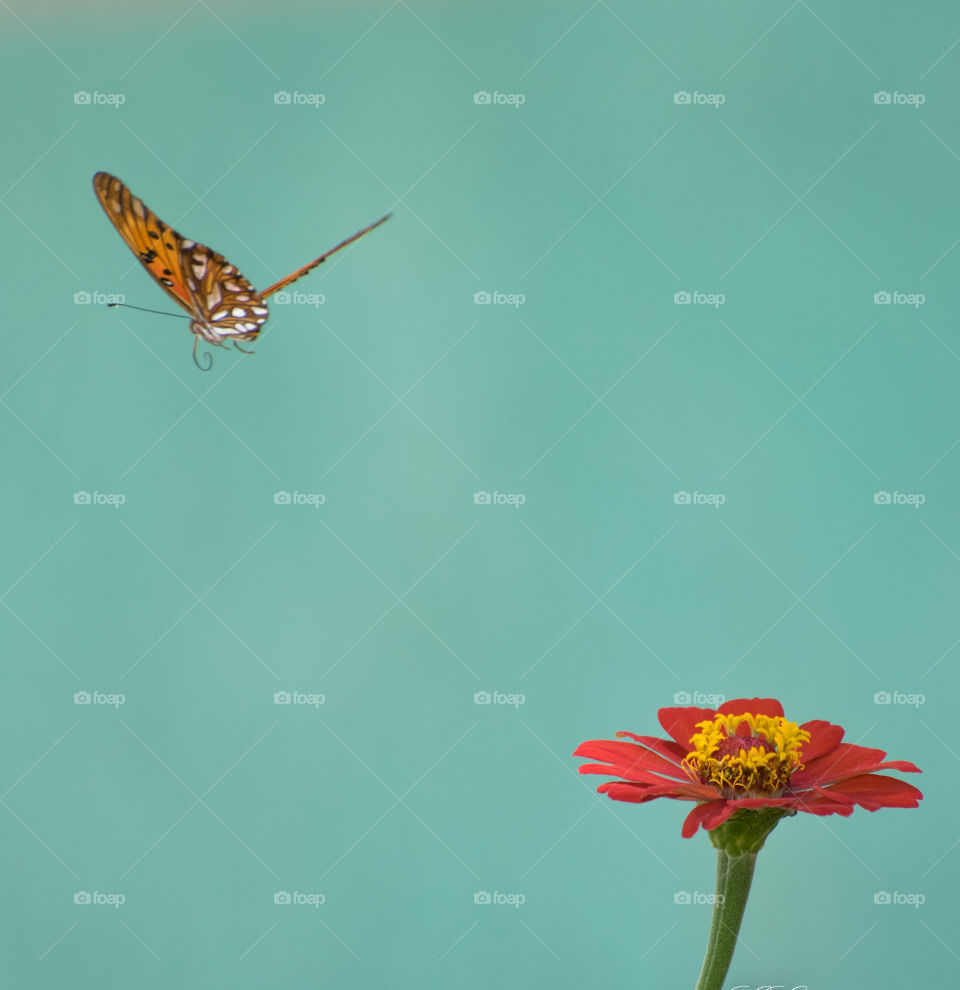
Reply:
x=745, y=754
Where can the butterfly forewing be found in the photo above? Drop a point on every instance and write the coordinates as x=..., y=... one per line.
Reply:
x=309, y=267
x=157, y=246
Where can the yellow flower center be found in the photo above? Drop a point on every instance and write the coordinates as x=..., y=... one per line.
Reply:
x=746, y=755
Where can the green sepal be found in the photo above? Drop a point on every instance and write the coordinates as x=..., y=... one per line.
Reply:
x=746, y=830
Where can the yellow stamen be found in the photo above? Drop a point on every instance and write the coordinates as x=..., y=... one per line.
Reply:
x=755, y=764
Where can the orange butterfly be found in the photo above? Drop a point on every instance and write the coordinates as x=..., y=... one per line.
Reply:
x=222, y=304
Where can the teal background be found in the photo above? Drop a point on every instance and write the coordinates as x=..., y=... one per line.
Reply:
x=398, y=398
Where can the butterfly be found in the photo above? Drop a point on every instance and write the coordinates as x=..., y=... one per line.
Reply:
x=222, y=304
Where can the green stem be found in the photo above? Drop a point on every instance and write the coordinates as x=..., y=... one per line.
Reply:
x=737, y=841
x=734, y=875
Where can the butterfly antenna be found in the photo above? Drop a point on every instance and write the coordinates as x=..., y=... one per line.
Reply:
x=196, y=340
x=159, y=312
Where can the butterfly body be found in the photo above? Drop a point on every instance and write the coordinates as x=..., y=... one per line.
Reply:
x=222, y=304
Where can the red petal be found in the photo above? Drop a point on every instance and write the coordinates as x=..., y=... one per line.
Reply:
x=753, y=706
x=635, y=776
x=626, y=760
x=819, y=804
x=681, y=723
x=824, y=738
x=640, y=793
x=709, y=815
x=666, y=748
x=873, y=791
x=847, y=760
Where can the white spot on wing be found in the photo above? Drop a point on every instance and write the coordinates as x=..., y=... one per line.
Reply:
x=239, y=312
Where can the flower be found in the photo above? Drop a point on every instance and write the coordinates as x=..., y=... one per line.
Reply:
x=746, y=755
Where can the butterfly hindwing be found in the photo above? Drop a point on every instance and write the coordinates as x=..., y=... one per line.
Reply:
x=228, y=302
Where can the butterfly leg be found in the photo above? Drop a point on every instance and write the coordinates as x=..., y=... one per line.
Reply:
x=242, y=349
x=196, y=340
